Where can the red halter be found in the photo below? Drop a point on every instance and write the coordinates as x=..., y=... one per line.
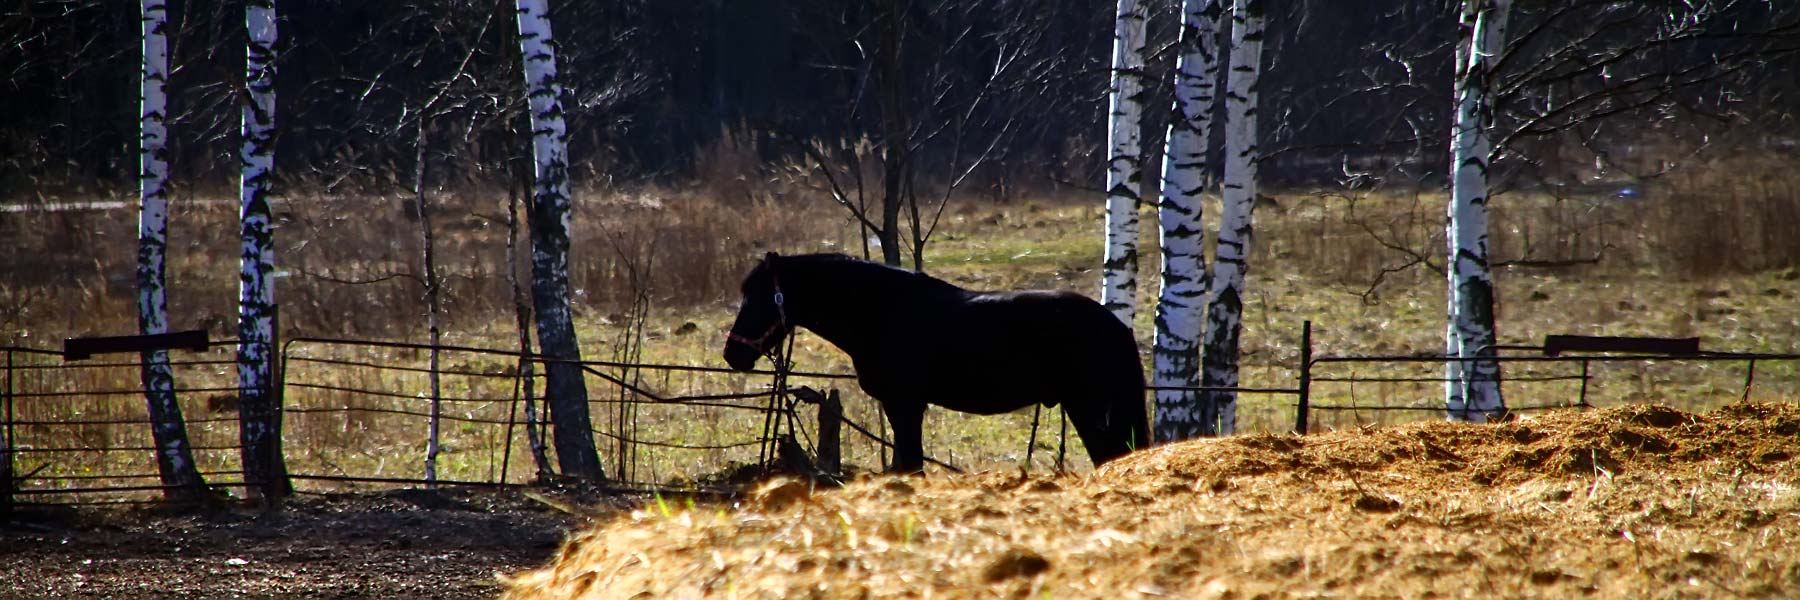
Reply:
x=781, y=325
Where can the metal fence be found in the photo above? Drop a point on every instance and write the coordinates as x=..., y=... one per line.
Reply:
x=1548, y=377
x=1560, y=374
x=359, y=412
x=78, y=431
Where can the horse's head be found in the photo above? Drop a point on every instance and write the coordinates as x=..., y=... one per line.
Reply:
x=762, y=321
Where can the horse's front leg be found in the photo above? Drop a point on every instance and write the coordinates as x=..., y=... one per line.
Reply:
x=907, y=419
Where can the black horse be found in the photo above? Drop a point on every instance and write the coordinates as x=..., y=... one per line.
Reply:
x=918, y=340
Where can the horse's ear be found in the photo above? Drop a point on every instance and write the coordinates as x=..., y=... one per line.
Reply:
x=770, y=257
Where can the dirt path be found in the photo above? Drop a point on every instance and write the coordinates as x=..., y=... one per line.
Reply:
x=394, y=545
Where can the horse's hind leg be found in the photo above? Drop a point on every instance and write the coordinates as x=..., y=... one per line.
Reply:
x=908, y=420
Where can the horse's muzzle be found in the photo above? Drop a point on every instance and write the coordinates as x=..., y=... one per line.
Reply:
x=740, y=356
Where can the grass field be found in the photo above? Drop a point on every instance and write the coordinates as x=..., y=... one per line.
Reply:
x=655, y=274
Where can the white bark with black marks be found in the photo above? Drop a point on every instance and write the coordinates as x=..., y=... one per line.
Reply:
x=1472, y=392
x=1125, y=162
x=548, y=216
x=1180, y=308
x=259, y=418
x=1225, y=314
x=1453, y=387
x=527, y=380
x=174, y=455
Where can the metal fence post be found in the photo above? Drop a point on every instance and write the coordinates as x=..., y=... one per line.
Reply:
x=1582, y=401
x=512, y=420
x=1749, y=379
x=1300, y=425
x=7, y=434
x=831, y=416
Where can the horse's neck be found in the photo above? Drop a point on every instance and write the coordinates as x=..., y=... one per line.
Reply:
x=848, y=302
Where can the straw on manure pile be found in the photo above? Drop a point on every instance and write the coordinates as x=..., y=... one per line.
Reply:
x=1639, y=501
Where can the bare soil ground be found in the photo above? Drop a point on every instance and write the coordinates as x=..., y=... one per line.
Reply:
x=1639, y=502
x=448, y=543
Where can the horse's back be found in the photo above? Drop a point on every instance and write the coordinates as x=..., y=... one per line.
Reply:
x=1060, y=315
x=1055, y=343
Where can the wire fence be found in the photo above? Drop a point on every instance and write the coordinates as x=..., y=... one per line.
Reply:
x=1566, y=372
x=359, y=413
x=656, y=426
x=79, y=431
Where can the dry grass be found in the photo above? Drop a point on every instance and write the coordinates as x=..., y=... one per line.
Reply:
x=1645, y=502
x=74, y=273
x=1724, y=273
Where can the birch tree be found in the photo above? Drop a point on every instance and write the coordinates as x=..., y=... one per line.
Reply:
x=1225, y=313
x=1563, y=83
x=259, y=418
x=534, y=426
x=433, y=302
x=548, y=217
x=1184, y=275
x=1472, y=389
x=1453, y=370
x=1124, y=172
x=174, y=456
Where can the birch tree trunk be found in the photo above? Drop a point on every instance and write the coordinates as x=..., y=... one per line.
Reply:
x=1184, y=276
x=1473, y=390
x=1454, y=401
x=1225, y=314
x=433, y=304
x=174, y=455
x=259, y=418
x=1125, y=163
x=534, y=427
x=548, y=216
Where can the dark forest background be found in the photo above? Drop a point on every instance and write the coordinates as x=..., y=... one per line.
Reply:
x=1354, y=91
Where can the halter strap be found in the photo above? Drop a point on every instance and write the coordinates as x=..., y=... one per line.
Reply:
x=780, y=310
x=755, y=344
